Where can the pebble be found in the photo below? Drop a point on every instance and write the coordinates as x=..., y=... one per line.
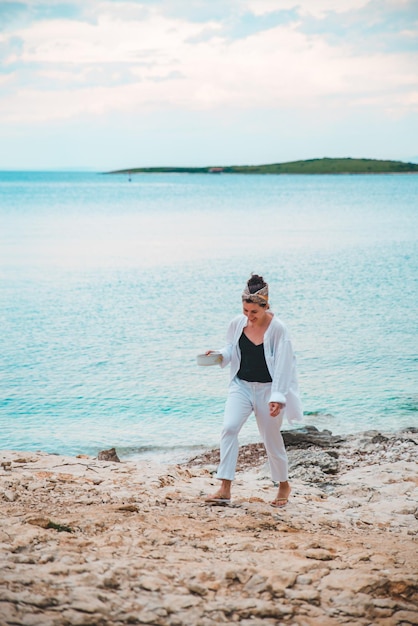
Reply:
x=306, y=595
x=319, y=554
x=10, y=496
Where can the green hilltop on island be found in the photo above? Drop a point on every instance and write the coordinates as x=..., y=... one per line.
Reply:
x=311, y=166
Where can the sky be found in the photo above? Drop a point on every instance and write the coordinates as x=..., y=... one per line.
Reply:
x=112, y=84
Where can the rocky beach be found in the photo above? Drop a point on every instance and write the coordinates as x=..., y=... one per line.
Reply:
x=92, y=542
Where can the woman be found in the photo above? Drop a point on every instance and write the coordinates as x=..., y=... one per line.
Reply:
x=262, y=380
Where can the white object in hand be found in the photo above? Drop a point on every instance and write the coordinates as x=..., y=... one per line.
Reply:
x=213, y=358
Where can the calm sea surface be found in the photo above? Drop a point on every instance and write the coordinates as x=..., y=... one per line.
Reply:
x=109, y=289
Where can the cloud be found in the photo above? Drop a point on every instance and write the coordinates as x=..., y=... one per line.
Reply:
x=10, y=47
x=317, y=8
x=198, y=11
x=97, y=57
x=11, y=12
x=245, y=25
x=381, y=25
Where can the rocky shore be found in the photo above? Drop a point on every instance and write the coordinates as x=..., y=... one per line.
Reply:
x=89, y=542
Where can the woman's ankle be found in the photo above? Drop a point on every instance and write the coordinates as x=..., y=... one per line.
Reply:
x=225, y=488
x=284, y=489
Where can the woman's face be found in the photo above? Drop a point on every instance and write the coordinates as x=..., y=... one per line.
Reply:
x=255, y=313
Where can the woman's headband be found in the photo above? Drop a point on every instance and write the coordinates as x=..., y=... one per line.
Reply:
x=259, y=297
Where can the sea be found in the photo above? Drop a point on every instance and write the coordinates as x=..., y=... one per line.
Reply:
x=111, y=285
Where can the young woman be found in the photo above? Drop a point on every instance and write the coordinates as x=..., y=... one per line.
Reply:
x=262, y=380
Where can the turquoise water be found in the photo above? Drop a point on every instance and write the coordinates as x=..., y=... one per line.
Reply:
x=109, y=289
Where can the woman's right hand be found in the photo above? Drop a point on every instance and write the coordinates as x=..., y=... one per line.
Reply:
x=220, y=359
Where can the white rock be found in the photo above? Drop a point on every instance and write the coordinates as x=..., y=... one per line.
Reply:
x=10, y=496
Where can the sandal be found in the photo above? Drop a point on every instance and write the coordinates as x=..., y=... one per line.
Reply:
x=279, y=502
x=217, y=500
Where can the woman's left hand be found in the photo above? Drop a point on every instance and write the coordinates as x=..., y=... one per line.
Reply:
x=275, y=408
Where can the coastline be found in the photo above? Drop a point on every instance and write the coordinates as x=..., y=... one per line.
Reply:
x=88, y=542
x=319, y=166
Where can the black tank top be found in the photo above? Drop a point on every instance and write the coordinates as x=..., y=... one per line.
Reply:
x=253, y=366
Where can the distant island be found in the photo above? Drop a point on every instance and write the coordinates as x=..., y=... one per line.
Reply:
x=310, y=166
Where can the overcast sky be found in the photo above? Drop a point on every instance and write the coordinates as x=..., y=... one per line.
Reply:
x=114, y=84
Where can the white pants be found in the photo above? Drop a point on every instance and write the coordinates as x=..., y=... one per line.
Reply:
x=243, y=399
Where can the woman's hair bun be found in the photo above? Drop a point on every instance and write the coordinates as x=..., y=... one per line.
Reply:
x=255, y=283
